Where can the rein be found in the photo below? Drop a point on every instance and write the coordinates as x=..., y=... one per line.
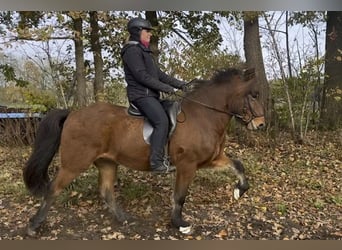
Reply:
x=209, y=107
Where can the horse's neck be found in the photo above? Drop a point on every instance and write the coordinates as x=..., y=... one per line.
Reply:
x=208, y=110
x=211, y=97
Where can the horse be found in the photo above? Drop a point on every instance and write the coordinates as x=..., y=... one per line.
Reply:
x=105, y=135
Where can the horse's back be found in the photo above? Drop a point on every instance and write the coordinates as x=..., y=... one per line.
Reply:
x=96, y=113
x=90, y=122
x=101, y=109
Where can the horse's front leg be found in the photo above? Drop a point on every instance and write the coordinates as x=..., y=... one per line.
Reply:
x=184, y=177
x=242, y=186
x=222, y=161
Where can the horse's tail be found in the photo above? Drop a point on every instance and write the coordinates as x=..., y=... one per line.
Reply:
x=48, y=137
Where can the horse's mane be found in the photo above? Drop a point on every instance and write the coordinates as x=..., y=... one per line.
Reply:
x=220, y=76
x=225, y=75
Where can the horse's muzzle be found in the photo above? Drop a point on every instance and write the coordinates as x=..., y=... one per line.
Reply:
x=256, y=123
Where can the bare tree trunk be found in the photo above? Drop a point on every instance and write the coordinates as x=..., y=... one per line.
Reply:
x=152, y=17
x=287, y=46
x=317, y=90
x=98, y=62
x=253, y=54
x=304, y=120
x=81, y=95
x=331, y=111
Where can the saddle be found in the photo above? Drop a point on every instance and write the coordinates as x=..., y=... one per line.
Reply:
x=172, y=109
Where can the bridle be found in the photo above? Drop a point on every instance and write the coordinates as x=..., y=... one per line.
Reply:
x=246, y=118
x=253, y=114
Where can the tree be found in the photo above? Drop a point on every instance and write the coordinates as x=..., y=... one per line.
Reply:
x=254, y=56
x=312, y=20
x=285, y=84
x=152, y=17
x=46, y=27
x=81, y=95
x=98, y=62
x=331, y=110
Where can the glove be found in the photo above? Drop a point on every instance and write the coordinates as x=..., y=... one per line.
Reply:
x=181, y=85
x=184, y=87
x=169, y=90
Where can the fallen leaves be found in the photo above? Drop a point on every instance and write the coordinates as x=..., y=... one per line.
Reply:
x=295, y=194
x=107, y=235
x=222, y=234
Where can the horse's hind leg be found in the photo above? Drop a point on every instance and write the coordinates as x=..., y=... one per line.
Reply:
x=36, y=221
x=242, y=186
x=107, y=180
x=63, y=178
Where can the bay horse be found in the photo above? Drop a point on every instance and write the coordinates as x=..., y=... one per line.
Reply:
x=107, y=136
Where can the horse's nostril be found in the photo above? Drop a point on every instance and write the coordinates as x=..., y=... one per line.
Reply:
x=261, y=126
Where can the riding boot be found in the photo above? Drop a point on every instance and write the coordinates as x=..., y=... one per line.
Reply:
x=159, y=163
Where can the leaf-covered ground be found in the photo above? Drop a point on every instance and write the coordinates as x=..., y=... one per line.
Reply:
x=295, y=194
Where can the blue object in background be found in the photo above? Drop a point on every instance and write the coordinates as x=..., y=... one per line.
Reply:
x=19, y=115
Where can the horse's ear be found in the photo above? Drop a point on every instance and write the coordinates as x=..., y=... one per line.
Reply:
x=248, y=74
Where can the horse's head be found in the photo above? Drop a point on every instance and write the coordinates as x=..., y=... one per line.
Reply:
x=252, y=113
x=247, y=108
x=235, y=90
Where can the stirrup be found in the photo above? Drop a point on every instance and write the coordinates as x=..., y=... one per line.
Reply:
x=164, y=168
x=167, y=163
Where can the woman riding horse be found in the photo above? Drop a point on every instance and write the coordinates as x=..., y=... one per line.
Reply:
x=144, y=82
x=104, y=134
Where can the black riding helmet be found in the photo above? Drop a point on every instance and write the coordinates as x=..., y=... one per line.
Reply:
x=135, y=25
x=139, y=23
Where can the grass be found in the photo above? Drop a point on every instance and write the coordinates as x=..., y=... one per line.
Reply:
x=16, y=189
x=132, y=191
x=84, y=187
x=336, y=199
x=281, y=208
x=318, y=203
x=214, y=179
x=10, y=184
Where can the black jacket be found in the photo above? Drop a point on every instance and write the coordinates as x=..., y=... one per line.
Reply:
x=142, y=74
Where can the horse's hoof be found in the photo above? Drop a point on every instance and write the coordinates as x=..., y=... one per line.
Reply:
x=183, y=226
x=239, y=190
x=123, y=217
x=185, y=230
x=237, y=193
x=31, y=232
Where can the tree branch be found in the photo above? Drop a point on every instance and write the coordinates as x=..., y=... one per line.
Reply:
x=40, y=39
x=181, y=36
x=272, y=30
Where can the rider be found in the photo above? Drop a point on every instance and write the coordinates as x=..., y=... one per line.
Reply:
x=145, y=81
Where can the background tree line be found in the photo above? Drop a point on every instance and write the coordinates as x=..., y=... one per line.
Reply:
x=72, y=58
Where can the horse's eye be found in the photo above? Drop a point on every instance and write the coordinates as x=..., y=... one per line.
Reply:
x=255, y=95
